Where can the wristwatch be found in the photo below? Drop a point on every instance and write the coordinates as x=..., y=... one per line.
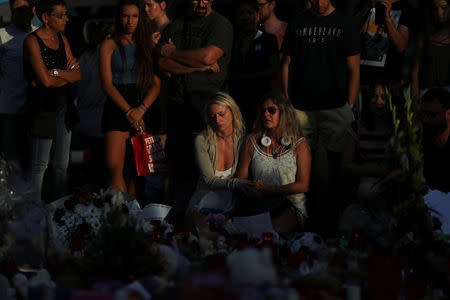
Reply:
x=55, y=72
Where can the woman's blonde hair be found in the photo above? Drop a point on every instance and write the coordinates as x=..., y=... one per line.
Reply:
x=289, y=125
x=238, y=122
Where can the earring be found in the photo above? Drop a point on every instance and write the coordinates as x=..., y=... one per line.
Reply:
x=266, y=141
x=285, y=141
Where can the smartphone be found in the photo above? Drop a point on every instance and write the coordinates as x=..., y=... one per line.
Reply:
x=380, y=11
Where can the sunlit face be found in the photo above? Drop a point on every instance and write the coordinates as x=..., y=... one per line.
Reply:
x=271, y=114
x=154, y=9
x=265, y=9
x=220, y=117
x=201, y=8
x=58, y=18
x=440, y=10
x=129, y=18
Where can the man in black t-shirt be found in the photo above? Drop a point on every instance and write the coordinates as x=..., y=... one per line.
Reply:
x=320, y=74
x=195, y=50
x=320, y=71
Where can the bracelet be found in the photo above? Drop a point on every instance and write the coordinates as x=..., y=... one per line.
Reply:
x=145, y=106
x=142, y=107
x=128, y=110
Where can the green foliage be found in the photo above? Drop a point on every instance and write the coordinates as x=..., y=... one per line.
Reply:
x=406, y=157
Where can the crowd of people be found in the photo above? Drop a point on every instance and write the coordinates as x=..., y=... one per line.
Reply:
x=283, y=116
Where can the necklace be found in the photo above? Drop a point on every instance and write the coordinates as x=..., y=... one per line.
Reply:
x=277, y=150
x=223, y=136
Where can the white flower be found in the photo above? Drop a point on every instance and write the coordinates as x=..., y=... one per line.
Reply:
x=20, y=282
x=147, y=227
x=251, y=266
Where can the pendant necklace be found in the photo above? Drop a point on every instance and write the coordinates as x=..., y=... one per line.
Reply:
x=275, y=151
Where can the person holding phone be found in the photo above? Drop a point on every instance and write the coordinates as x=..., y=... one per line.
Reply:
x=384, y=28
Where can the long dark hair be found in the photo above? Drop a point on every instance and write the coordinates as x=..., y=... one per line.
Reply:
x=143, y=61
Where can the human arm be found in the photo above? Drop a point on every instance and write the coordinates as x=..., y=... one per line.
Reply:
x=398, y=36
x=353, y=66
x=105, y=53
x=207, y=169
x=72, y=73
x=301, y=184
x=245, y=159
x=285, y=75
x=135, y=114
x=196, y=58
x=171, y=66
x=37, y=64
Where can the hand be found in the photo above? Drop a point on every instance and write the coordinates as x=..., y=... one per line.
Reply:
x=168, y=49
x=214, y=67
x=72, y=64
x=139, y=126
x=50, y=72
x=156, y=36
x=256, y=189
x=134, y=116
x=246, y=187
x=387, y=6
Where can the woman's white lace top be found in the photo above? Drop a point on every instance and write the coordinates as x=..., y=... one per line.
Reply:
x=277, y=171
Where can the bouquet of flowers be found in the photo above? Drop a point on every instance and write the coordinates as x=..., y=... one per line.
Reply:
x=76, y=220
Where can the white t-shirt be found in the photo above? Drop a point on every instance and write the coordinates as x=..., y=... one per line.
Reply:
x=13, y=86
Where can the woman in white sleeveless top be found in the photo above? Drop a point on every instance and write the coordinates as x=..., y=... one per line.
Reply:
x=217, y=150
x=277, y=156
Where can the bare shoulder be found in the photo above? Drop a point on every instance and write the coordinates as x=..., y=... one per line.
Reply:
x=249, y=145
x=302, y=146
x=30, y=40
x=108, y=46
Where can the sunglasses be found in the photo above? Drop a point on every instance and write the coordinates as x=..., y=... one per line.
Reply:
x=59, y=16
x=204, y=1
x=271, y=109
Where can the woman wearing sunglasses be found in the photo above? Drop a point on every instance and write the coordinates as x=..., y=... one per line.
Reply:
x=50, y=67
x=128, y=78
x=217, y=150
x=277, y=157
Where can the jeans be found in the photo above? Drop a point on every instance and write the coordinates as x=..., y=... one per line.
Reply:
x=56, y=151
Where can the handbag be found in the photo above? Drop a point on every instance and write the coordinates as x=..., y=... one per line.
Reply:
x=149, y=154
